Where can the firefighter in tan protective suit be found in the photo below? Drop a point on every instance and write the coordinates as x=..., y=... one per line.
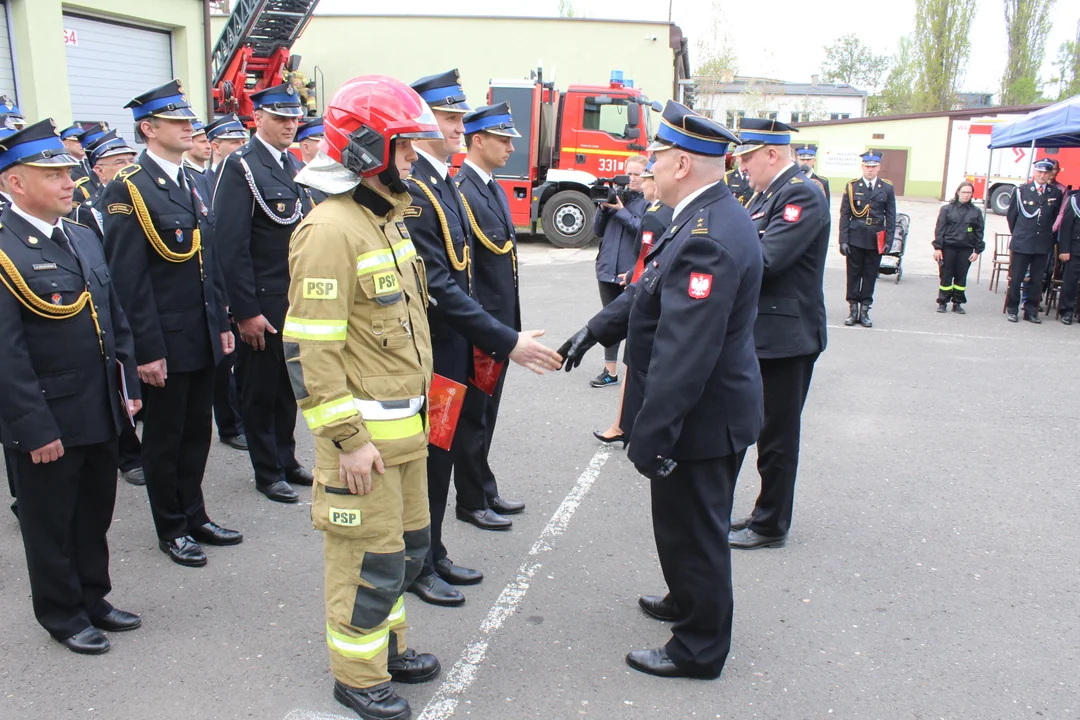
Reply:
x=359, y=356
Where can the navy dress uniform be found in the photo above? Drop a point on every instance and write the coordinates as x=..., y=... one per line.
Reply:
x=739, y=185
x=5, y=200
x=439, y=227
x=694, y=394
x=68, y=346
x=86, y=180
x=867, y=210
x=259, y=204
x=1031, y=218
x=312, y=130
x=495, y=287
x=791, y=217
x=227, y=127
x=165, y=264
x=198, y=171
x=1069, y=242
x=807, y=155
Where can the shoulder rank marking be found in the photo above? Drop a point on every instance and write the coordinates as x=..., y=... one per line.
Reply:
x=795, y=181
x=119, y=209
x=128, y=171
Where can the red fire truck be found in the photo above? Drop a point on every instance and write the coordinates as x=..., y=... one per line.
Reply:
x=568, y=140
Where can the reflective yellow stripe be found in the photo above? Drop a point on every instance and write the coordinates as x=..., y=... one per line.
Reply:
x=376, y=260
x=395, y=429
x=305, y=329
x=961, y=289
x=397, y=614
x=329, y=412
x=945, y=287
x=404, y=250
x=597, y=151
x=365, y=648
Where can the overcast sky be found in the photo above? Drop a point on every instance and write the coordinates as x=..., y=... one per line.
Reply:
x=813, y=25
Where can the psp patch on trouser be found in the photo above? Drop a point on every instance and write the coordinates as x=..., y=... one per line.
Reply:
x=373, y=546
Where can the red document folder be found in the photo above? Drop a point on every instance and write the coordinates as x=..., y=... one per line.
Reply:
x=486, y=371
x=445, y=400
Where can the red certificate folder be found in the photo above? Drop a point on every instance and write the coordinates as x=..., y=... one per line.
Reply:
x=486, y=371
x=445, y=400
x=881, y=242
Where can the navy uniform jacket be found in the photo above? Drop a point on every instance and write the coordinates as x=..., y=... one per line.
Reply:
x=656, y=220
x=176, y=309
x=54, y=380
x=88, y=213
x=495, y=276
x=456, y=318
x=1069, y=232
x=824, y=184
x=738, y=186
x=1031, y=218
x=83, y=170
x=695, y=388
x=861, y=232
x=255, y=248
x=792, y=220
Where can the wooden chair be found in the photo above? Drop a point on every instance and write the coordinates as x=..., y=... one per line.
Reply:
x=1001, y=259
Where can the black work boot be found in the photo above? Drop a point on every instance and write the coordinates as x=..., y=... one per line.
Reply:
x=413, y=667
x=1066, y=318
x=941, y=307
x=378, y=702
x=864, y=316
x=853, y=314
x=958, y=309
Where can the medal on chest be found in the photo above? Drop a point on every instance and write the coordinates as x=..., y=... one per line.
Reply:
x=179, y=235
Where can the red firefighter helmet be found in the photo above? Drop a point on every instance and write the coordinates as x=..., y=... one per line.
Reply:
x=366, y=115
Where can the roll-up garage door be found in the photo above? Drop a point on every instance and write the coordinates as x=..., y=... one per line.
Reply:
x=110, y=63
x=7, y=69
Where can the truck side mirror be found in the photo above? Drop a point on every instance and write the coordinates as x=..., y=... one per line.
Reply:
x=633, y=114
x=632, y=133
x=657, y=106
x=293, y=64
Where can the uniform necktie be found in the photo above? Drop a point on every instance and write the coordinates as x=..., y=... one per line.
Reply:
x=284, y=160
x=1040, y=189
x=180, y=179
x=60, y=239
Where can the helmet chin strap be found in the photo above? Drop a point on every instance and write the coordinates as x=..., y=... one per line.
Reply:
x=390, y=177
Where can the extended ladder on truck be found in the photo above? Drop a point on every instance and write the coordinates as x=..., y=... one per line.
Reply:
x=254, y=48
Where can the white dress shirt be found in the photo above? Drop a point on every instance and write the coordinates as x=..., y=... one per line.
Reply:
x=483, y=175
x=439, y=165
x=171, y=169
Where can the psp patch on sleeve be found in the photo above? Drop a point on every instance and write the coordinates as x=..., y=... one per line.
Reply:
x=120, y=209
x=320, y=289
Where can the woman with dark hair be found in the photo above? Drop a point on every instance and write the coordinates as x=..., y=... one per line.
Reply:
x=958, y=240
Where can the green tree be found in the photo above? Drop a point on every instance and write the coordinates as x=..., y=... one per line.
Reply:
x=1027, y=23
x=1068, y=67
x=898, y=96
x=942, y=46
x=716, y=47
x=849, y=60
x=566, y=9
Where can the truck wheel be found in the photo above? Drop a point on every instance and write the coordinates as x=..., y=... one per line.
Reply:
x=568, y=219
x=1000, y=198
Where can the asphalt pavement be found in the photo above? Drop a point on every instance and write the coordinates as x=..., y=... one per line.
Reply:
x=931, y=572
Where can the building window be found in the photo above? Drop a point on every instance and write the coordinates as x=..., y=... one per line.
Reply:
x=705, y=113
x=839, y=116
x=800, y=117
x=733, y=117
x=767, y=114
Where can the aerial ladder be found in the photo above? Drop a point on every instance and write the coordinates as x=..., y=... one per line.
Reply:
x=253, y=53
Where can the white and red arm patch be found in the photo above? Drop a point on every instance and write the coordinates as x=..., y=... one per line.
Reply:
x=700, y=286
x=792, y=213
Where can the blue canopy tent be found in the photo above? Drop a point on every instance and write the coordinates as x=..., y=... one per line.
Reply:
x=1055, y=126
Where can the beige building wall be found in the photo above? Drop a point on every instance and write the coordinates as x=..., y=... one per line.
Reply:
x=37, y=28
x=573, y=51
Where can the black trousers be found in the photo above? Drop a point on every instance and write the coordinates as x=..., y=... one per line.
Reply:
x=130, y=446
x=473, y=478
x=440, y=466
x=609, y=292
x=268, y=408
x=691, y=518
x=65, y=509
x=176, y=443
x=227, y=397
x=1069, y=282
x=1021, y=264
x=952, y=273
x=785, y=382
x=862, y=274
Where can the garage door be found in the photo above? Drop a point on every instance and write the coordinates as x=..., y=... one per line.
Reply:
x=7, y=71
x=108, y=64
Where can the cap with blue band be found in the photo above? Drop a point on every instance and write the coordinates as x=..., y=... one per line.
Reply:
x=11, y=116
x=38, y=145
x=197, y=128
x=871, y=157
x=682, y=128
x=311, y=129
x=807, y=151
x=494, y=119
x=279, y=100
x=166, y=101
x=92, y=133
x=112, y=143
x=756, y=133
x=72, y=131
x=443, y=91
x=228, y=127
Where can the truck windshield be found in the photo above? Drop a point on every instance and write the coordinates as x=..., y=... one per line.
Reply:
x=609, y=117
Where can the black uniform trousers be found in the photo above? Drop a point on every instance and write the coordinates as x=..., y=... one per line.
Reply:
x=227, y=396
x=609, y=292
x=65, y=509
x=268, y=408
x=1019, y=265
x=785, y=383
x=862, y=274
x=440, y=464
x=1070, y=279
x=130, y=446
x=473, y=478
x=176, y=443
x=953, y=273
x=691, y=512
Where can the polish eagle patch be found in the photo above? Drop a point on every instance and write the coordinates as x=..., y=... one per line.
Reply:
x=700, y=286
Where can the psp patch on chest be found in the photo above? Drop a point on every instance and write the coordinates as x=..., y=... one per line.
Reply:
x=344, y=518
x=700, y=285
x=320, y=289
x=386, y=283
x=792, y=213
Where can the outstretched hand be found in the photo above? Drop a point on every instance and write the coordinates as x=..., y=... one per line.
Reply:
x=574, y=349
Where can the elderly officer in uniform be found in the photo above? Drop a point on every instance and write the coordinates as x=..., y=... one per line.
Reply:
x=1031, y=217
x=439, y=226
x=68, y=345
x=489, y=134
x=226, y=135
x=792, y=219
x=695, y=389
x=167, y=273
x=254, y=230
x=308, y=136
x=107, y=155
x=86, y=182
x=867, y=223
x=354, y=264
x=807, y=156
x=739, y=184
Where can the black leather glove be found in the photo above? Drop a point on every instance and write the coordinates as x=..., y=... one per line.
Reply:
x=658, y=469
x=574, y=349
x=844, y=249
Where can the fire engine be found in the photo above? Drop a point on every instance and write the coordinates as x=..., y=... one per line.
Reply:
x=569, y=139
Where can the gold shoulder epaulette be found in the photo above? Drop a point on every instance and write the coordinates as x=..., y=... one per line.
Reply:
x=886, y=181
x=795, y=181
x=74, y=222
x=82, y=181
x=128, y=170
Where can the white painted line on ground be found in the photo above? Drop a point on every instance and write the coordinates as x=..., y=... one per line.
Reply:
x=461, y=676
x=312, y=715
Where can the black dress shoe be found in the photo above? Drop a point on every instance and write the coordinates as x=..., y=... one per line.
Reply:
x=135, y=476
x=1012, y=317
x=433, y=590
x=455, y=574
x=1032, y=318
x=657, y=662
x=213, y=534
x=280, y=492
x=621, y=437
x=118, y=621
x=486, y=519
x=236, y=441
x=378, y=702
x=505, y=507
x=413, y=667
x=183, y=551
x=89, y=641
x=747, y=539
x=741, y=523
x=299, y=476
x=1066, y=318
x=659, y=607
